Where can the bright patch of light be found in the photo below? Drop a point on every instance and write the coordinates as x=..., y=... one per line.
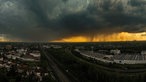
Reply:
x=123, y=36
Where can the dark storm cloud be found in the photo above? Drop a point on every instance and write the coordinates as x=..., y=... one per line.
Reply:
x=55, y=19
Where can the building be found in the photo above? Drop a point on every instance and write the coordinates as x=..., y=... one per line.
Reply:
x=143, y=52
x=115, y=52
x=12, y=57
x=22, y=51
x=37, y=55
x=108, y=57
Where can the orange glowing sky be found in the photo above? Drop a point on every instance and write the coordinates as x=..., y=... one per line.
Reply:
x=123, y=36
x=3, y=39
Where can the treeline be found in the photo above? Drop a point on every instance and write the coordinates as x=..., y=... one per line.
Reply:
x=88, y=72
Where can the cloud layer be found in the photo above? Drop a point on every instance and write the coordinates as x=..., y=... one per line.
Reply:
x=55, y=19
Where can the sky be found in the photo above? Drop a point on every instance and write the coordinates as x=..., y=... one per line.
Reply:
x=72, y=20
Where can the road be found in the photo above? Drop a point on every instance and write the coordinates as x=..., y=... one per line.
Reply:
x=61, y=76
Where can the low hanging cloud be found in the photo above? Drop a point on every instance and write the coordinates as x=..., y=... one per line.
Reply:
x=47, y=20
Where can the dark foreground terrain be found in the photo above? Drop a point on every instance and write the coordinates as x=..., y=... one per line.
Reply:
x=59, y=62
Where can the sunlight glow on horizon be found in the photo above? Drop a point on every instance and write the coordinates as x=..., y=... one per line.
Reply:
x=123, y=36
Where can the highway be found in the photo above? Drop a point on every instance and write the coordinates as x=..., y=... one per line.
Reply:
x=59, y=73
